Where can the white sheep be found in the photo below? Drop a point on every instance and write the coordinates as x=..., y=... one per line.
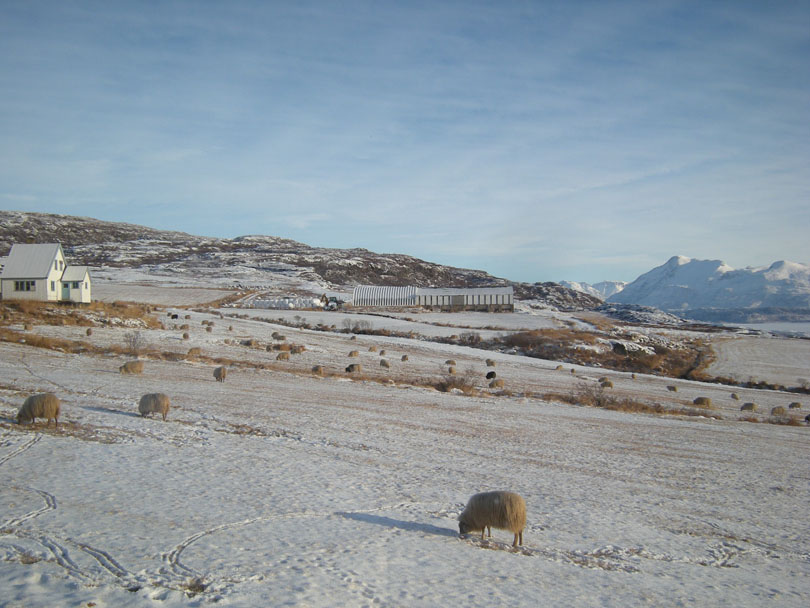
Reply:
x=44, y=405
x=487, y=510
x=154, y=402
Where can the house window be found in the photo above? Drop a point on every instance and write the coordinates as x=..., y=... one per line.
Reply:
x=53, y=285
x=54, y=265
x=25, y=285
x=61, y=265
x=75, y=285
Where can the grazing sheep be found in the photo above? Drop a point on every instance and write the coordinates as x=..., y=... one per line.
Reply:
x=220, y=373
x=497, y=383
x=807, y=419
x=194, y=351
x=175, y=316
x=672, y=389
x=354, y=367
x=490, y=363
x=283, y=356
x=702, y=402
x=606, y=384
x=131, y=367
x=404, y=357
x=487, y=510
x=44, y=405
x=297, y=349
x=450, y=362
x=735, y=396
x=154, y=403
x=318, y=370
x=186, y=336
x=558, y=368
x=795, y=405
x=372, y=349
x=748, y=407
x=89, y=331
x=354, y=353
x=491, y=375
x=382, y=353
x=451, y=370
x=209, y=329
x=778, y=411
x=384, y=363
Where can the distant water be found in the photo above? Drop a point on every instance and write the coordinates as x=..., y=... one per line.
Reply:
x=801, y=328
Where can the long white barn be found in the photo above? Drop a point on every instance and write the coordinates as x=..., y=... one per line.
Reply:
x=491, y=299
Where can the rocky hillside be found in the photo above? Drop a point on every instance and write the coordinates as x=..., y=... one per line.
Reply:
x=264, y=262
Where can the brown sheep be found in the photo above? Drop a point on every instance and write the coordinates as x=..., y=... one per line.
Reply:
x=283, y=356
x=497, y=383
x=154, y=402
x=384, y=363
x=487, y=510
x=44, y=405
x=354, y=367
x=131, y=367
x=490, y=363
x=220, y=373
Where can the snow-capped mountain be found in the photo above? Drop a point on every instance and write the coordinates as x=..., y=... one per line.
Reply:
x=602, y=290
x=698, y=287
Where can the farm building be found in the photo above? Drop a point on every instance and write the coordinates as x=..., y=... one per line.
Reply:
x=489, y=299
x=40, y=272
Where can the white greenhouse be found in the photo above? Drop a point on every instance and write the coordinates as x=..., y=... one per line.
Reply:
x=490, y=299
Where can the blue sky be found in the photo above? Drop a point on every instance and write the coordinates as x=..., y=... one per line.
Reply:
x=538, y=141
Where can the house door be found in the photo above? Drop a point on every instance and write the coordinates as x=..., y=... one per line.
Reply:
x=65, y=291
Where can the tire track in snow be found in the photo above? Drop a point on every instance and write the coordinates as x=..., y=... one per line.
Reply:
x=60, y=553
x=36, y=375
x=20, y=449
x=109, y=563
x=50, y=505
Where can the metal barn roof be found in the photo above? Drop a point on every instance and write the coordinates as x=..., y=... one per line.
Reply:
x=74, y=273
x=30, y=261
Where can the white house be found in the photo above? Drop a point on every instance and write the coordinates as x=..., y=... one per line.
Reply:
x=40, y=272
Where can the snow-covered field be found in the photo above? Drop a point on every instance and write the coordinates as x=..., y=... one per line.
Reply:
x=282, y=488
x=771, y=359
